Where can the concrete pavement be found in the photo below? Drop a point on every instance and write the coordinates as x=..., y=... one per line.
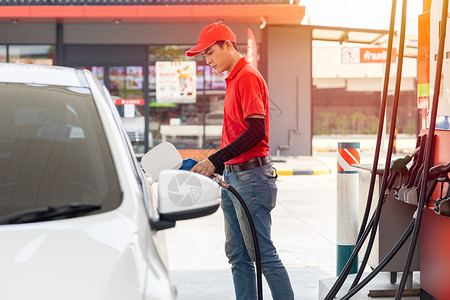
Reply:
x=303, y=231
x=299, y=165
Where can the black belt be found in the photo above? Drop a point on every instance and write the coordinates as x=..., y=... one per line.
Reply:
x=249, y=164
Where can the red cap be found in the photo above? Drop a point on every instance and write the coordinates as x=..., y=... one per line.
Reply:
x=211, y=34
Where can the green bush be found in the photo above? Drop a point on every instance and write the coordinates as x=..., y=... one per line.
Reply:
x=356, y=123
x=323, y=124
x=410, y=127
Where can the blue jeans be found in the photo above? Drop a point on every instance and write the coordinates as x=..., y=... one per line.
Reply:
x=258, y=189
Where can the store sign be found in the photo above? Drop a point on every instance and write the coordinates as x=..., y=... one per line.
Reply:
x=139, y=101
x=366, y=55
x=175, y=82
x=376, y=55
x=350, y=55
x=252, y=48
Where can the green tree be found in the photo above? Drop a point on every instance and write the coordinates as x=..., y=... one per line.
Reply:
x=410, y=127
x=342, y=125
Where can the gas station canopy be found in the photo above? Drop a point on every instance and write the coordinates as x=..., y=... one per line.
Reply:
x=373, y=37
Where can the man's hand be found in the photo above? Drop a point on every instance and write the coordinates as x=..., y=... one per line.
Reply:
x=205, y=167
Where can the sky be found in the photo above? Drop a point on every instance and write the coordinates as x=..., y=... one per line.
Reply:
x=368, y=14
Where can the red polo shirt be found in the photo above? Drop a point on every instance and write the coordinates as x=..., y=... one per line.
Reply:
x=246, y=94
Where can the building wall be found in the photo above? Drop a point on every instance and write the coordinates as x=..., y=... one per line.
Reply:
x=289, y=76
x=353, y=90
x=144, y=34
x=328, y=63
x=28, y=33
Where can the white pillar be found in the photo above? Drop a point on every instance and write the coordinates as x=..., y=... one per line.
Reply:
x=347, y=204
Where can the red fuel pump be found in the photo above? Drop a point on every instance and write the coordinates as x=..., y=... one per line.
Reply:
x=435, y=229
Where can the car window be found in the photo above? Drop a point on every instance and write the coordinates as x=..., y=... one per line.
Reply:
x=53, y=150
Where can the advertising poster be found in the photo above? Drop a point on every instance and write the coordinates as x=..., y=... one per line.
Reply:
x=129, y=111
x=135, y=78
x=116, y=79
x=176, y=82
x=152, y=77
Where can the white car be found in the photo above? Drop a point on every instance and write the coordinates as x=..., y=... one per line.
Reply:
x=78, y=215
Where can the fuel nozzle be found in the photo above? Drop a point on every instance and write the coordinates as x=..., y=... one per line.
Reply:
x=399, y=165
x=188, y=163
x=436, y=174
x=440, y=172
x=217, y=178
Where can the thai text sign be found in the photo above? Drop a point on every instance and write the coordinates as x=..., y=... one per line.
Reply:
x=366, y=55
x=376, y=55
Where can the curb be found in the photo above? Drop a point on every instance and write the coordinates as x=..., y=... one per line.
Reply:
x=288, y=166
x=399, y=150
x=291, y=172
x=325, y=150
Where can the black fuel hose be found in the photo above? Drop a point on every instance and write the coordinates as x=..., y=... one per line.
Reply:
x=228, y=187
x=381, y=120
x=382, y=264
x=429, y=146
x=392, y=133
x=435, y=173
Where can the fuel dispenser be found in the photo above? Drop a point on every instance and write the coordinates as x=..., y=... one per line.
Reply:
x=435, y=229
x=426, y=184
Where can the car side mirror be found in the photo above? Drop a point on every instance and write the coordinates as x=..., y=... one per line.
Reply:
x=182, y=194
x=185, y=195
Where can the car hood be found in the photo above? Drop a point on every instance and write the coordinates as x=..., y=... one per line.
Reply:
x=92, y=257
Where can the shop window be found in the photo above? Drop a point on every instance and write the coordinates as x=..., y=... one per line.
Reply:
x=97, y=71
x=2, y=54
x=183, y=93
x=192, y=121
x=32, y=54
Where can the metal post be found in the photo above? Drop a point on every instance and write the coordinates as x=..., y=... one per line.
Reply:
x=347, y=204
x=394, y=146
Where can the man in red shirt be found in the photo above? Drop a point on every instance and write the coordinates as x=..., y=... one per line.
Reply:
x=246, y=165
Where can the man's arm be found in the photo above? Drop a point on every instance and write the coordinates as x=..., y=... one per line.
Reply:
x=255, y=133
